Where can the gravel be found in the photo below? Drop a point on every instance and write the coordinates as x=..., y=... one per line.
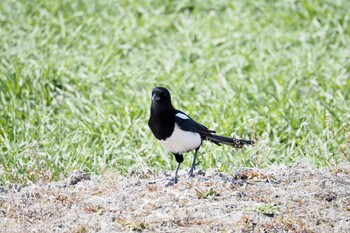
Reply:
x=278, y=199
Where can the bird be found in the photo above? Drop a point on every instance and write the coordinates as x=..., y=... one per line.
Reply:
x=179, y=133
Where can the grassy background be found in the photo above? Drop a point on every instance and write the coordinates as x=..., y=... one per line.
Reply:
x=76, y=77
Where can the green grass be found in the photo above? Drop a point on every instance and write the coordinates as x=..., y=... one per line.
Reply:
x=76, y=77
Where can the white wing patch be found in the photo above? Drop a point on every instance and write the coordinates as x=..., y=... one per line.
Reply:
x=182, y=116
x=181, y=141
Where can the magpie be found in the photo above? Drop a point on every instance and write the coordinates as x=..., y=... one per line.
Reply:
x=179, y=133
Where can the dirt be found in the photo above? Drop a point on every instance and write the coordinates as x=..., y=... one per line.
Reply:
x=279, y=199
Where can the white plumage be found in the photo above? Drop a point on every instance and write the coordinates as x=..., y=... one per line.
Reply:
x=182, y=116
x=181, y=141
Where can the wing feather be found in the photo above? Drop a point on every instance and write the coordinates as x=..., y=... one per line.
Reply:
x=188, y=124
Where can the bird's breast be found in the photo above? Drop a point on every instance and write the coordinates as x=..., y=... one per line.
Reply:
x=181, y=141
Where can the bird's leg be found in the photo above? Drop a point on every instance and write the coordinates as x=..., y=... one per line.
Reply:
x=194, y=164
x=177, y=169
x=179, y=160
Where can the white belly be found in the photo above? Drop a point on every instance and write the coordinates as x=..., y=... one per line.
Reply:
x=181, y=141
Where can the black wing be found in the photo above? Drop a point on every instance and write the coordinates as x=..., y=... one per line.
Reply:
x=189, y=124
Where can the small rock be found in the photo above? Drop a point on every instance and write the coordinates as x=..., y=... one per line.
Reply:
x=76, y=176
x=199, y=172
x=210, y=172
x=3, y=190
x=15, y=187
x=166, y=173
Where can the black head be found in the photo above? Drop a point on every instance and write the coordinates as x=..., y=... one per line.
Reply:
x=160, y=95
x=162, y=118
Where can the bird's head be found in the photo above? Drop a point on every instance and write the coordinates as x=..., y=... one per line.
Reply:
x=160, y=95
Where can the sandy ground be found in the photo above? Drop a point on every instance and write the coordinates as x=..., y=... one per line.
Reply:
x=278, y=199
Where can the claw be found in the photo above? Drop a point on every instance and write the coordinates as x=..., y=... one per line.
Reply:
x=171, y=182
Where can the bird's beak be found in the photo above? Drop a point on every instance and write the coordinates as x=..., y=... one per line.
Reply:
x=155, y=97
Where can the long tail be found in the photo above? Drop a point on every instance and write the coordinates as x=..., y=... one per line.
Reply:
x=238, y=143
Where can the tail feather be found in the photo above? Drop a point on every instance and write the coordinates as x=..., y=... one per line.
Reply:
x=237, y=143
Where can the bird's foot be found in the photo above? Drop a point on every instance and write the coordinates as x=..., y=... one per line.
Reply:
x=193, y=168
x=171, y=181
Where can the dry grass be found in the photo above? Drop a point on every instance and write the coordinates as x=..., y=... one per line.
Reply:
x=296, y=199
